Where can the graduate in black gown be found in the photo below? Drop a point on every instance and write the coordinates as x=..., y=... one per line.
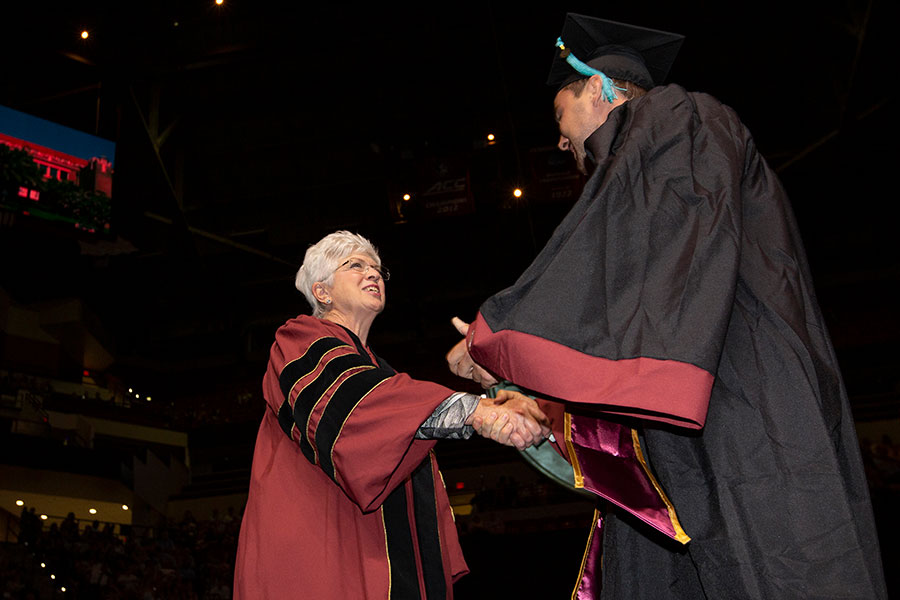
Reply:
x=675, y=301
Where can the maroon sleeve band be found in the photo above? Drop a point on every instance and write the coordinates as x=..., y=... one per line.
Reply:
x=661, y=390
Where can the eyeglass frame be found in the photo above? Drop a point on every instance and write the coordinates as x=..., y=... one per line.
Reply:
x=380, y=269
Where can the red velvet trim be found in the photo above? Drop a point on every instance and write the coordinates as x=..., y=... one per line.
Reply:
x=661, y=390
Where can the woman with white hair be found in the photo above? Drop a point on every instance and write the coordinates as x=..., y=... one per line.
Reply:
x=346, y=500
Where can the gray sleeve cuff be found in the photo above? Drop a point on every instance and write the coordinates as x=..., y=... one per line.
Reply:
x=447, y=422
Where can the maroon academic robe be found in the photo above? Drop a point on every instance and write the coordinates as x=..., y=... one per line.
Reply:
x=344, y=502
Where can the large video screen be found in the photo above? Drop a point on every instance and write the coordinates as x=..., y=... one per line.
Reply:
x=52, y=172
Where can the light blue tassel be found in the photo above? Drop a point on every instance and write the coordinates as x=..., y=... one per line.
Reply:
x=609, y=90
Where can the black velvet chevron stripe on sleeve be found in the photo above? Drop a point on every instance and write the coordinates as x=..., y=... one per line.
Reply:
x=342, y=403
x=286, y=420
x=296, y=370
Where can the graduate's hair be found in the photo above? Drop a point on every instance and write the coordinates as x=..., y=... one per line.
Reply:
x=322, y=260
x=632, y=90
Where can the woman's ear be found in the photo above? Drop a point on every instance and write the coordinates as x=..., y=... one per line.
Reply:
x=321, y=293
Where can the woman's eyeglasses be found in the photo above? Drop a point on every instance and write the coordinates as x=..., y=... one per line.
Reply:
x=362, y=267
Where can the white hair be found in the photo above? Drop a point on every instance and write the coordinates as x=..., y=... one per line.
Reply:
x=324, y=257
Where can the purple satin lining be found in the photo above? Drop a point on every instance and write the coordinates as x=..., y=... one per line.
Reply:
x=611, y=469
x=589, y=586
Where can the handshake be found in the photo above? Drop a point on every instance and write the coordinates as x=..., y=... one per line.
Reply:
x=510, y=418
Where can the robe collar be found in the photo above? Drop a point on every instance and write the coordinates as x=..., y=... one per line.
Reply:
x=606, y=139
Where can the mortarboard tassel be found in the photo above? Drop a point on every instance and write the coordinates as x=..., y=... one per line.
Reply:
x=609, y=90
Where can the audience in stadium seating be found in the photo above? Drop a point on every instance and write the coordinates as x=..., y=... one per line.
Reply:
x=189, y=559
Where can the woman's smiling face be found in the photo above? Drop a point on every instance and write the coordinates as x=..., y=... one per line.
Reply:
x=358, y=286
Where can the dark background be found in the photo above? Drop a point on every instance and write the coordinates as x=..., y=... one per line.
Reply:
x=248, y=131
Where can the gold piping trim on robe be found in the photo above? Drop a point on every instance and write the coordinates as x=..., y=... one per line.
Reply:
x=387, y=552
x=432, y=465
x=443, y=483
x=305, y=352
x=680, y=535
x=576, y=468
x=313, y=370
x=292, y=397
x=341, y=430
x=587, y=551
x=332, y=388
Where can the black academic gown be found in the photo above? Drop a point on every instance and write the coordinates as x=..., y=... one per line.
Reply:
x=677, y=292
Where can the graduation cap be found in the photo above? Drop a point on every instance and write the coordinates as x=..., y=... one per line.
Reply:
x=588, y=45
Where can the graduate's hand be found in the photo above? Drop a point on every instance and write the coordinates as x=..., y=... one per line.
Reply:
x=511, y=418
x=461, y=363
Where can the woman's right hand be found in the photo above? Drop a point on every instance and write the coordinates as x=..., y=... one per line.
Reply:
x=510, y=418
